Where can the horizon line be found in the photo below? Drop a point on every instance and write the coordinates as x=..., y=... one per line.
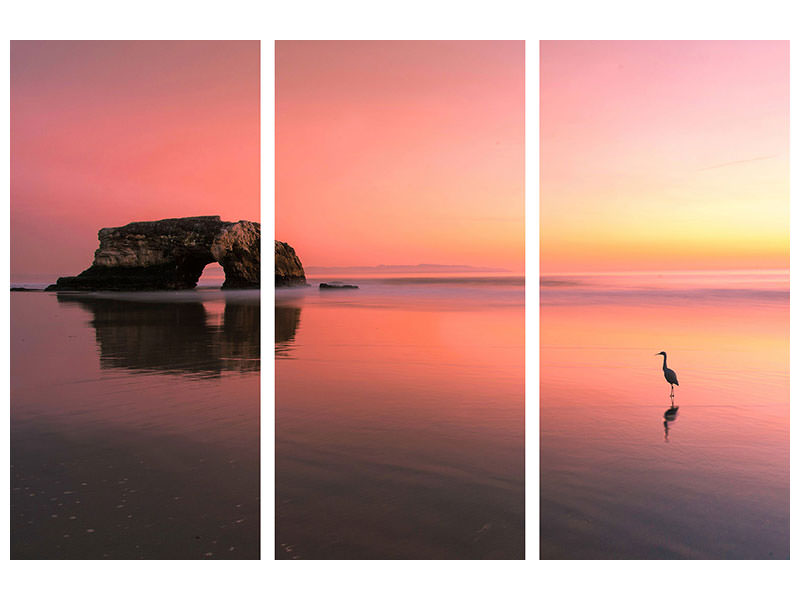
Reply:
x=418, y=266
x=666, y=271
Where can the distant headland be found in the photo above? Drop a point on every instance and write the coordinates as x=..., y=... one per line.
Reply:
x=418, y=268
x=171, y=254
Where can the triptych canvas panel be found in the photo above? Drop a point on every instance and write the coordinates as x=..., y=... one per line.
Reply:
x=399, y=300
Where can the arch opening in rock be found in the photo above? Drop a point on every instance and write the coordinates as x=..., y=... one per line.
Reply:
x=213, y=276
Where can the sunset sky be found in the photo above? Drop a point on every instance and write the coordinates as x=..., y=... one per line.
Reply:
x=664, y=156
x=105, y=133
x=401, y=152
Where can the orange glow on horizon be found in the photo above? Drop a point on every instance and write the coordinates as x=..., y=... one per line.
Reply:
x=664, y=156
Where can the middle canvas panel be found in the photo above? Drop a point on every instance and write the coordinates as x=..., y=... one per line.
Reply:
x=400, y=300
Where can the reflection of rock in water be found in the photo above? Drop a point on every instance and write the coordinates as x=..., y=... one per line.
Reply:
x=287, y=319
x=173, y=337
x=241, y=337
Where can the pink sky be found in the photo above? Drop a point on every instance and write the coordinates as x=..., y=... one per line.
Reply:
x=401, y=152
x=105, y=133
x=664, y=155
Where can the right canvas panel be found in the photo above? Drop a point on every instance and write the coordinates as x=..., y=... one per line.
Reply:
x=664, y=339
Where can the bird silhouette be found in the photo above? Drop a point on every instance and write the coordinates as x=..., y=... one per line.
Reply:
x=669, y=375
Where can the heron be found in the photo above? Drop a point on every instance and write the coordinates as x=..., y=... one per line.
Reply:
x=669, y=375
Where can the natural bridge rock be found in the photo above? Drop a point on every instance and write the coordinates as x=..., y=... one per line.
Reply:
x=288, y=268
x=170, y=255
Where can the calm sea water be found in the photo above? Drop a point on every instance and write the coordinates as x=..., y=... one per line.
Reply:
x=135, y=425
x=618, y=480
x=400, y=419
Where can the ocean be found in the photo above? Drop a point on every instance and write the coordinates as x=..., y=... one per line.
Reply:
x=135, y=425
x=621, y=480
x=400, y=419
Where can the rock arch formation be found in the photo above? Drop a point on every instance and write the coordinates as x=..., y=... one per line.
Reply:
x=170, y=255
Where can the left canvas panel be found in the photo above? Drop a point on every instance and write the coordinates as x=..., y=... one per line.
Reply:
x=135, y=307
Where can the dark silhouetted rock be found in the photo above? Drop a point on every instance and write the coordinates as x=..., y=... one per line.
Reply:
x=170, y=255
x=288, y=268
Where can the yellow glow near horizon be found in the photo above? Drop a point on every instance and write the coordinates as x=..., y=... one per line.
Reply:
x=664, y=155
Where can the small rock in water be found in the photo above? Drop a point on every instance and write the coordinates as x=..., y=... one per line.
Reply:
x=335, y=285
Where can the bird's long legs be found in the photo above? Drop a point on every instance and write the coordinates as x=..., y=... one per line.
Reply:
x=671, y=391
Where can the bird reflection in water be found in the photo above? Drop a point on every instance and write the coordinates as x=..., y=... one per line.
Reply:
x=669, y=416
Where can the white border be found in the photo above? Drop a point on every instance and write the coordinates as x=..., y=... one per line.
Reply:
x=267, y=301
x=5, y=270
x=412, y=19
x=531, y=300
